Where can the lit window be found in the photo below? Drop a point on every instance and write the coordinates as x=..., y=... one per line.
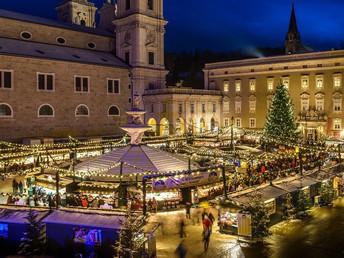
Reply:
x=319, y=104
x=305, y=104
x=252, y=85
x=285, y=82
x=252, y=105
x=237, y=85
x=81, y=83
x=252, y=123
x=319, y=81
x=304, y=82
x=225, y=86
x=226, y=106
x=238, y=122
x=113, y=86
x=238, y=106
x=45, y=81
x=113, y=111
x=337, y=80
x=226, y=123
x=337, y=105
x=337, y=124
x=270, y=84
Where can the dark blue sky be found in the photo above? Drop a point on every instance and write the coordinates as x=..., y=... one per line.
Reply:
x=224, y=25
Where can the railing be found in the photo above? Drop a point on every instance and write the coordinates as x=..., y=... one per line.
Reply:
x=182, y=91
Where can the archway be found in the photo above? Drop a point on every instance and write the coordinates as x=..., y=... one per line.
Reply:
x=152, y=124
x=164, y=127
x=180, y=126
x=191, y=126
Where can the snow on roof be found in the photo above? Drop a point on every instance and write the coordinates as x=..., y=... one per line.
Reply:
x=95, y=219
x=17, y=214
x=296, y=184
x=53, y=23
x=142, y=156
x=47, y=51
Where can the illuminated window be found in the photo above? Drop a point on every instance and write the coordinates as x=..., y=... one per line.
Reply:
x=319, y=81
x=238, y=122
x=271, y=206
x=304, y=82
x=238, y=106
x=237, y=85
x=285, y=82
x=225, y=85
x=252, y=123
x=337, y=80
x=252, y=105
x=226, y=106
x=337, y=124
x=226, y=123
x=252, y=85
x=304, y=104
x=270, y=84
x=337, y=105
x=319, y=104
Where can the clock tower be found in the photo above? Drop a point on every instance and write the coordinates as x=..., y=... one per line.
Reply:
x=140, y=29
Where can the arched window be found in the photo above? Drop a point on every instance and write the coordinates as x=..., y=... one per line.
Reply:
x=113, y=111
x=45, y=110
x=5, y=110
x=81, y=110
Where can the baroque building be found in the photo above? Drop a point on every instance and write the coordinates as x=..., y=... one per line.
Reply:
x=73, y=77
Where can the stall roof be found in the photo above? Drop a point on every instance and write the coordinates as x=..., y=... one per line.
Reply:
x=268, y=192
x=18, y=215
x=95, y=219
x=296, y=184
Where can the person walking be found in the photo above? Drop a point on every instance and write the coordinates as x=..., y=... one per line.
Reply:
x=181, y=250
x=182, y=231
x=206, y=238
x=188, y=208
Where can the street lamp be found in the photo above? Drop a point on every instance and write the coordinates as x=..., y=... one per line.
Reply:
x=298, y=150
x=232, y=142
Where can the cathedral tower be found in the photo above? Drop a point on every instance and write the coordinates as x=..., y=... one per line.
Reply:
x=79, y=12
x=292, y=39
x=140, y=29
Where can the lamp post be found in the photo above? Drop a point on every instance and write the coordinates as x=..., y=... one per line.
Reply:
x=57, y=189
x=224, y=181
x=232, y=135
x=298, y=150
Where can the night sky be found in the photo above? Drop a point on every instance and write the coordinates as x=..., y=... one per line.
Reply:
x=225, y=25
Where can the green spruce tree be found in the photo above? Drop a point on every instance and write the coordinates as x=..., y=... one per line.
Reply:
x=303, y=203
x=130, y=240
x=260, y=215
x=281, y=123
x=328, y=194
x=33, y=241
x=289, y=208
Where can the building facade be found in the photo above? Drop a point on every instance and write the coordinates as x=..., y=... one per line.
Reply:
x=72, y=77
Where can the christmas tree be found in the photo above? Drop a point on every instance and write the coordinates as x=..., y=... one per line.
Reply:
x=260, y=215
x=303, y=202
x=281, y=123
x=131, y=238
x=328, y=194
x=33, y=242
x=289, y=209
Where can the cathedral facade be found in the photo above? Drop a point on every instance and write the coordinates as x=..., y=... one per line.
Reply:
x=73, y=77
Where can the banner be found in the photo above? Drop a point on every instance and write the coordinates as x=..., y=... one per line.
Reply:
x=185, y=181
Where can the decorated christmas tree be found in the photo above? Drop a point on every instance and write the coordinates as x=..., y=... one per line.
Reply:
x=131, y=238
x=328, y=194
x=33, y=242
x=289, y=209
x=281, y=123
x=260, y=215
x=303, y=202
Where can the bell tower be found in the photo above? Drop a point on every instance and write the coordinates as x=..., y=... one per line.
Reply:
x=140, y=29
x=79, y=12
x=292, y=39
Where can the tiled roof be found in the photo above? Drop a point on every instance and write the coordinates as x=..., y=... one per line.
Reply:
x=53, y=23
x=48, y=51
